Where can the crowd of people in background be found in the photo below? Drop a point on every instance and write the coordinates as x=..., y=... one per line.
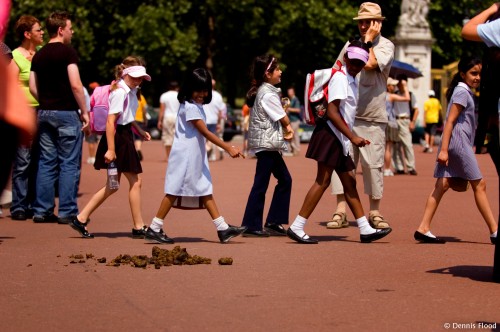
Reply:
x=371, y=118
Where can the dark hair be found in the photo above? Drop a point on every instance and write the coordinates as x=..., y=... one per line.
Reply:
x=464, y=65
x=23, y=24
x=55, y=21
x=173, y=85
x=261, y=65
x=198, y=80
x=402, y=77
x=358, y=43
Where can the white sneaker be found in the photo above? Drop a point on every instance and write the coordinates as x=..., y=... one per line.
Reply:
x=90, y=160
x=388, y=172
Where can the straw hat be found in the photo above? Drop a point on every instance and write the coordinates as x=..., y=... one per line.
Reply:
x=369, y=11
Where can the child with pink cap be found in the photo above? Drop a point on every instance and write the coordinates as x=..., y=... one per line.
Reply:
x=117, y=145
x=330, y=145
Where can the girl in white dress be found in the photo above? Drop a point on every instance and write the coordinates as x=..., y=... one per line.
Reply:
x=188, y=183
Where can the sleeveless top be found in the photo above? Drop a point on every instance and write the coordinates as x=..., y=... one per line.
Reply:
x=24, y=75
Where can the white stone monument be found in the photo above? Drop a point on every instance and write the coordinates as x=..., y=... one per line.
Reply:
x=413, y=45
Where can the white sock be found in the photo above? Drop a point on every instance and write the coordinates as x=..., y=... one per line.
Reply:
x=494, y=235
x=364, y=226
x=429, y=234
x=221, y=224
x=156, y=224
x=298, y=227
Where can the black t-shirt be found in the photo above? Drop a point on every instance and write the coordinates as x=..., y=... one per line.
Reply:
x=51, y=67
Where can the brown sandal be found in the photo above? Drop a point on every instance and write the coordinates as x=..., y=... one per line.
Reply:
x=337, y=223
x=378, y=221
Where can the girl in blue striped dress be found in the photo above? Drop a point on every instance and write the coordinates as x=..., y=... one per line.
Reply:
x=456, y=161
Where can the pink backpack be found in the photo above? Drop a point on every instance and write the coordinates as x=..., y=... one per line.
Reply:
x=316, y=93
x=99, y=109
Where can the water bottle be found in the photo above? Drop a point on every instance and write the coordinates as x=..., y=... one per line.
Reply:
x=113, y=182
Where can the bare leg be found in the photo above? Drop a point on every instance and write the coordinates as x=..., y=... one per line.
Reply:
x=321, y=183
x=427, y=139
x=209, y=203
x=134, y=197
x=165, y=206
x=431, y=141
x=351, y=193
x=483, y=205
x=388, y=155
x=433, y=200
x=92, y=149
x=374, y=206
x=168, y=148
x=96, y=201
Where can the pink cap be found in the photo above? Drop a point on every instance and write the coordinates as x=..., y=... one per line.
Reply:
x=354, y=52
x=136, y=71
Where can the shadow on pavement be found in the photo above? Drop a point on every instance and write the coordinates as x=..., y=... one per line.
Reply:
x=477, y=273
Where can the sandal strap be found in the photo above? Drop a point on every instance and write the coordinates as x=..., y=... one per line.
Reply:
x=340, y=214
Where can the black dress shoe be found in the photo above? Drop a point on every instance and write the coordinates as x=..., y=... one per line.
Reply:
x=65, y=220
x=275, y=229
x=159, y=236
x=249, y=233
x=228, y=234
x=493, y=240
x=380, y=233
x=139, y=233
x=291, y=234
x=18, y=215
x=51, y=218
x=427, y=239
x=80, y=228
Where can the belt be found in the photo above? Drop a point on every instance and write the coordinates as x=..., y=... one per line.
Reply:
x=402, y=117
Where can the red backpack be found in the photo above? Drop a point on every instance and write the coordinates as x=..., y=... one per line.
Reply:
x=99, y=109
x=316, y=93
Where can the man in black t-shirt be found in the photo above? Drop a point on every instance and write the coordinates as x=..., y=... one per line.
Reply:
x=55, y=83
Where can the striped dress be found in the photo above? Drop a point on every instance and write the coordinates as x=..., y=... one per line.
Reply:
x=462, y=162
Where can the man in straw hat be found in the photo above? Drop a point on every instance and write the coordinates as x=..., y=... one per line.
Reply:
x=371, y=115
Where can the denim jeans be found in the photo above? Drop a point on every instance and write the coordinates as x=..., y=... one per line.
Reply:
x=59, y=155
x=21, y=178
x=268, y=162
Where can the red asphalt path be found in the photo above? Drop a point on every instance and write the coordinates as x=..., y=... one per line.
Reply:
x=274, y=284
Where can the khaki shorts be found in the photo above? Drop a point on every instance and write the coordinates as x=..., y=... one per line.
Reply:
x=392, y=134
x=371, y=156
x=168, y=130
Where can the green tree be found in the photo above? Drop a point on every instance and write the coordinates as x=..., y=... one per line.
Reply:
x=224, y=36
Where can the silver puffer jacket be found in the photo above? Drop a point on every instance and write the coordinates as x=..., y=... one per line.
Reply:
x=263, y=133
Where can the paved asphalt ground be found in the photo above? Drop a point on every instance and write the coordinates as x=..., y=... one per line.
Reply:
x=274, y=284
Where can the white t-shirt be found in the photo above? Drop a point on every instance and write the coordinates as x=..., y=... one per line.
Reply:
x=271, y=104
x=490, y=33
x=117, y=101
x=214, y=107
x=344, y=87
x=169, y=99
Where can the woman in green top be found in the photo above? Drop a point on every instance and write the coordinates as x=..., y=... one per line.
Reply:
x=29, y=31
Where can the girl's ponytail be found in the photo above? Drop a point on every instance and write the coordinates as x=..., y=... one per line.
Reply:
x=453, y=84
x=251, y=94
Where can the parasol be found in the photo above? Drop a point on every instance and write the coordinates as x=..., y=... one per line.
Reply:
x=399, y=67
